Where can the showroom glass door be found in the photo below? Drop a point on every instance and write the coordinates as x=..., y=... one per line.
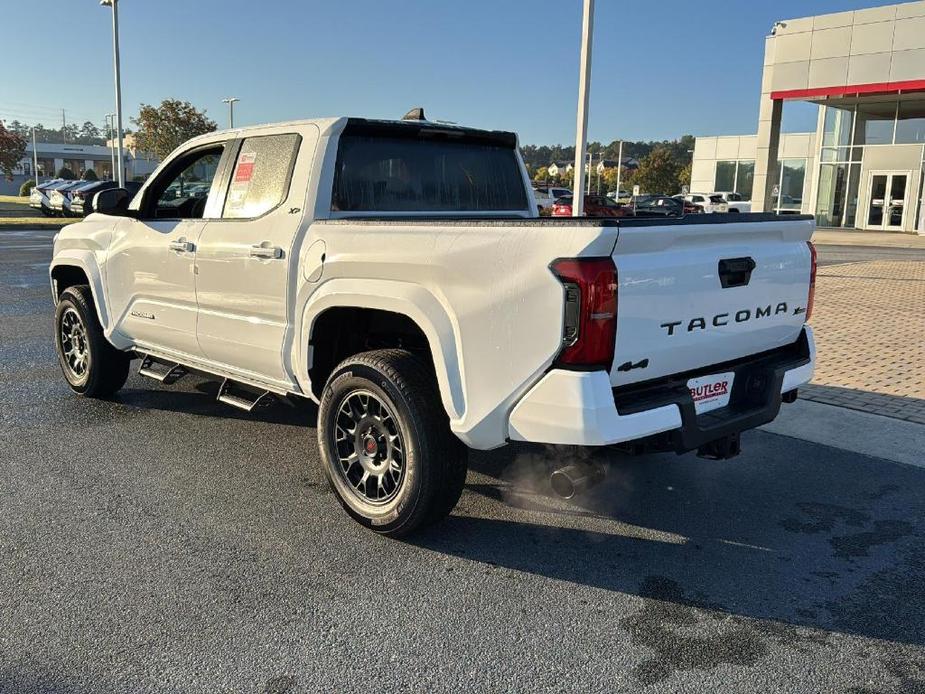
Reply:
x=886, y=201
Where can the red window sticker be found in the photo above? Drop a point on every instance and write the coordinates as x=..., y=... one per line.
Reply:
x=245, y=170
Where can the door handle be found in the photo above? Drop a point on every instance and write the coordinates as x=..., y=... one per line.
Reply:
x=271, y=252
x=181, y=245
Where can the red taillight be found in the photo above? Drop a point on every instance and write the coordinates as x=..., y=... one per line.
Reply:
x=812, y=280
x=589, y=328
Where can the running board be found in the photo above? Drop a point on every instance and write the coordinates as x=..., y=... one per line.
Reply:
x=174, y=372
x=242, y=398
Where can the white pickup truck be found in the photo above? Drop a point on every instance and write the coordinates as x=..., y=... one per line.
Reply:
x=396, y=273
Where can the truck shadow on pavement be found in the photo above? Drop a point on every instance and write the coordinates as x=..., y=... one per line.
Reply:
x=813, y=538
x=200, y=400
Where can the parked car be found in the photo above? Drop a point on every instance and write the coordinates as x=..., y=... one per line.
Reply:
x=82, y=200
x=735, y=201
x=620, y=196
x=595, y=206
x=547, y=196
x=38, y=198
x=60, y=198
x=472, y=325
x=662, y=206
x=709, y=202
x=689, y=207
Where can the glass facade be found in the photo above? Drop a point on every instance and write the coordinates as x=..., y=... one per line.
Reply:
x=910, y=123
x=830, y=195
x=735, y=176
x=875, y=123
x=745, y=175
x=790, y=186
x=885, y=122
x=837, y=127
x=725, y=176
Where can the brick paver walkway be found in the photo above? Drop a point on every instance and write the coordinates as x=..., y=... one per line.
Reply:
x=869, y=321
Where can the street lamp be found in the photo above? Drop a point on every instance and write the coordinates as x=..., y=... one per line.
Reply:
x=230, y=101
x=112, y=146
x=584, y=87
x=114, y=4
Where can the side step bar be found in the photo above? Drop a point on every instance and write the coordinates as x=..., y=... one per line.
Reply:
x=231, y=392
x=234, y=394
x=172, y=372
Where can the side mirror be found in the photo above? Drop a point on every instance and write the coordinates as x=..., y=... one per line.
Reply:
x=113, y=201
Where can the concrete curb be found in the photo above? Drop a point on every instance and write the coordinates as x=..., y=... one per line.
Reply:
x=859, y=432
x=875, y=239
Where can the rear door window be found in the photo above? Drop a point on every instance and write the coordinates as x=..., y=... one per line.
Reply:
x=260, y=180
x=425, y=173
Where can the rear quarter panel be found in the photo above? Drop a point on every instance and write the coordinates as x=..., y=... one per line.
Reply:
x=500, y=306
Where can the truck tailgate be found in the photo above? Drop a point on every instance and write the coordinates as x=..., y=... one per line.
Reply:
x=692, y=295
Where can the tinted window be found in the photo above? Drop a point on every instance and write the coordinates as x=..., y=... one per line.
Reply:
x=260, y=180
x=400, y=174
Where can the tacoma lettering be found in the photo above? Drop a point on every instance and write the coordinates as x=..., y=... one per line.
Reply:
x=720, y=319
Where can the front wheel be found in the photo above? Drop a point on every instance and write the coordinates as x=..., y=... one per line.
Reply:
x=91, y=365
x=386, y=445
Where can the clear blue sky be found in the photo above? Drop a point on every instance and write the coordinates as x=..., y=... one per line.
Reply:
x=660, y=69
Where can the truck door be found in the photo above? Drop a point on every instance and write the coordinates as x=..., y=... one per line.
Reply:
x=150, y=269
x=247, y=259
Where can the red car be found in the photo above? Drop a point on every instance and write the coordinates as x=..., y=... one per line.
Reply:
x=595, y=206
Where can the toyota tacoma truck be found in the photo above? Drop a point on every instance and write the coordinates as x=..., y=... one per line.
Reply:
x=397, y=274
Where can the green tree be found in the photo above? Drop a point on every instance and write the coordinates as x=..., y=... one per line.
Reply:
x=161, y=129
x=12, y=149
x=658, y=173
x=684, y=175
x=66, y=174
x=90, y=175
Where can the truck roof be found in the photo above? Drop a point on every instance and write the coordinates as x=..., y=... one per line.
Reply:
x=329, y=124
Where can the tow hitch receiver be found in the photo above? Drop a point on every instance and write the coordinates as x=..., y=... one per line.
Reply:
x=722, y=448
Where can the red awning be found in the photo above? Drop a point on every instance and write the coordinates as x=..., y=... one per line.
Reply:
x=851, y=90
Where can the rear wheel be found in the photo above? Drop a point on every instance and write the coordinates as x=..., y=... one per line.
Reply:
x=91, y=365
x=385, y=442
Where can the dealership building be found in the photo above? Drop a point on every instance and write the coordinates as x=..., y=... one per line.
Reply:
x=51, y=157
x=864, y=166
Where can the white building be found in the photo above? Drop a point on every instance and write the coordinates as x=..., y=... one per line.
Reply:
x=78, y=158
x=864, y=166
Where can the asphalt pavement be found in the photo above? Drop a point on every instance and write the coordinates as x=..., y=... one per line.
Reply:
x=164, y=542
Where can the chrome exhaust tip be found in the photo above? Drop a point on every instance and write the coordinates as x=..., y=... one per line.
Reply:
x=576, y=478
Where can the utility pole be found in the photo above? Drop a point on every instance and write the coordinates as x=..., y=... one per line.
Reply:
x=230, y=101
x=619, y=167
x=112, y=147
x=35, y=157
x=114, y=4
x=584, y=88
x=63, y=126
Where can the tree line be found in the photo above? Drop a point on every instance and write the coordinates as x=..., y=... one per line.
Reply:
x=663, y=167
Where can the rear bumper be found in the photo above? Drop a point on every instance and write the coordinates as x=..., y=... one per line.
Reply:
x=581, y=408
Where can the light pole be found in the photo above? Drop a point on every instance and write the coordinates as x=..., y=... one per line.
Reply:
x=114, y=4
x=112, y=146
x=230, y=101
x=584, y=87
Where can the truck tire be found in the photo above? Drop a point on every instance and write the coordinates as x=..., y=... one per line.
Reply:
x=386, y=445
x=91, y=366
